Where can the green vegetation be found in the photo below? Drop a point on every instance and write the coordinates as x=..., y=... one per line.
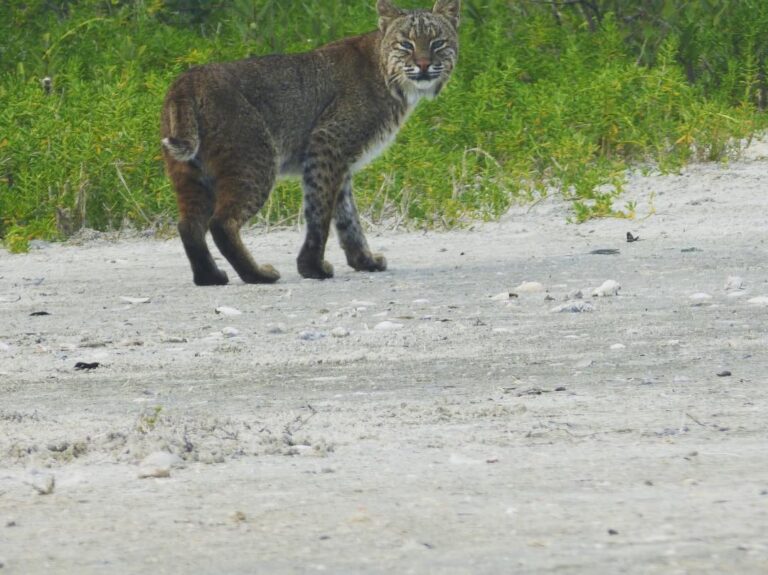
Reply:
x=548, y=96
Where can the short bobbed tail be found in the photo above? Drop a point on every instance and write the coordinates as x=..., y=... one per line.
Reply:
x=181, y=150
x=180, y=127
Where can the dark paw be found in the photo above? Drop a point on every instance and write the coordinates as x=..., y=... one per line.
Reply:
x=264, y=274
x=312, y=270
x=215, y=278
x=369, y=263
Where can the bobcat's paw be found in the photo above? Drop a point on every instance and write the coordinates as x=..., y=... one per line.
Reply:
x=312, y=270
x=214, y=278
x=263, y=274
x=369, y=263
x=269, y=273
x=379, y=263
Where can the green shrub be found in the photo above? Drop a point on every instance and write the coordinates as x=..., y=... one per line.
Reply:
x=545, y=97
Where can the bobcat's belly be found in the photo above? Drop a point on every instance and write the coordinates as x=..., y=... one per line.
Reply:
x=374, y=150
x=380, y=143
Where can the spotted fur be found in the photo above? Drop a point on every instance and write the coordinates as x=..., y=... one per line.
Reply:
x=229, y=130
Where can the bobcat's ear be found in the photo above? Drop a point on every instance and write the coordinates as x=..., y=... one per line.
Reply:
x=450, y=9
x=387, y=12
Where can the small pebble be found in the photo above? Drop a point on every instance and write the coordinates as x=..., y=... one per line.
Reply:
x=618, y=346
x=82, y=365
x=276, y=328
x=224, y=310
x=158, y=464
x=724, y=373
x=310, y=335
x=43, y=483
x=573, y=307
x=529, y=287
x=700, y=297
x=135, y=300
x=230, y=331
x=734, y=283
x=609, y=288
x=238, y=517
x=503, y=296
x=340, y=332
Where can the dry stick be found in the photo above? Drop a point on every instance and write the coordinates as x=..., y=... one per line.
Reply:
x=268, y=216
x=537, y=202
x=386, y=185
x=129, y=197
x=369, y=224
x=694, y=419
x=70, y=32
x=300, y=420
x=286, y=221
x=481, y=152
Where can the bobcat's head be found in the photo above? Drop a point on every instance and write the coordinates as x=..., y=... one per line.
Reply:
x=419, y=48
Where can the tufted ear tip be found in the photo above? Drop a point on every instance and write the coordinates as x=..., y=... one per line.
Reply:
x=450, y=9
x=387, y=12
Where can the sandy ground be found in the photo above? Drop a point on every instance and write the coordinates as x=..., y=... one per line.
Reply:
x=440, y=417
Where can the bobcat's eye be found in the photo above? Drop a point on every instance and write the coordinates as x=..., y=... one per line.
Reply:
x=407, y=46
x=437, y=44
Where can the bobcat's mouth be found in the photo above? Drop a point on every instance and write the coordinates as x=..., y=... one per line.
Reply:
x=424, y=79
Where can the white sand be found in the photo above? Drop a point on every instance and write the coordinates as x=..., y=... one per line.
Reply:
x=482, y=435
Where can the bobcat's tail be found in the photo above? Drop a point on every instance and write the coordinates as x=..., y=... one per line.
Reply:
x=182, y=141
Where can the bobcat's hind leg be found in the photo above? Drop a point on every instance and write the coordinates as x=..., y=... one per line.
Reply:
x=195, y=201
x=241, y=192
x=351, y=236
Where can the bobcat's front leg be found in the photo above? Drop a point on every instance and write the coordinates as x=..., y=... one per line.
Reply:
x=351, y=236
x=321, y=182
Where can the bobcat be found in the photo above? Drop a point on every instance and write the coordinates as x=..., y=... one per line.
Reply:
x=230, y=129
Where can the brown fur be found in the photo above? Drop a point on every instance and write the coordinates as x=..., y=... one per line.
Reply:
x=230, y=129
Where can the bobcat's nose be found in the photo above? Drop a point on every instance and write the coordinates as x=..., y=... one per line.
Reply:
x=423, y=64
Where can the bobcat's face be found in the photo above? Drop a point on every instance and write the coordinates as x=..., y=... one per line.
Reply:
x=419, y=48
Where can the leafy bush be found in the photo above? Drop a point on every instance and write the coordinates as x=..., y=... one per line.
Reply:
x=546, y=96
